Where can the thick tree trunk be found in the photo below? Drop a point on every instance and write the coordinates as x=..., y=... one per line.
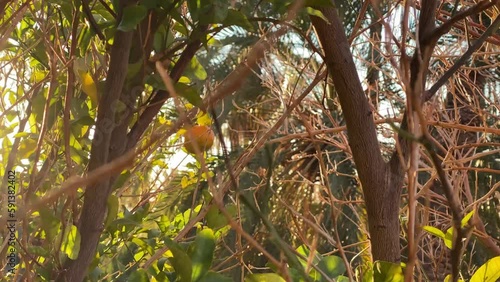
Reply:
x=95, y=198
x=381, y=181
x=112, y=138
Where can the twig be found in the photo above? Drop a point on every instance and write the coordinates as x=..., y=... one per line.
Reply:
x=463, y=59
x=479, y=7
x=90, y=18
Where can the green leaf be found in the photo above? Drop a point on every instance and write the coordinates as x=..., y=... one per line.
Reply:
x=194, y=8
x=143, y=244
x=488, y=272
x=134, y=68
x=332, y=266
x=180, y=261
x=214, y=12
x=214, y=277
x=215, y=219
x=132, y=16
x=155, y=81
x=196, y=69
x=50, y=223
x=84, y=38
x=318, y=3
x=448, y=238
x=160, y=39
x=235, y=17
x=204, y=247
x=21, y=135
x=305, y=252
x=434, y=231
x=317, y=13
x=264, y=277
x=150, y=4
x=387, y=272
x=71, y=244
x=466, y=219
x=139, y=275
x=113, y=206
x=189, y=93
x=122, y=179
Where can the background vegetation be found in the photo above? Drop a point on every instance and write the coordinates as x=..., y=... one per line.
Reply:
x=312, y=108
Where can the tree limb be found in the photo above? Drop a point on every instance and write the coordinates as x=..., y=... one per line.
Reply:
x=95, y=198
x=161, y=96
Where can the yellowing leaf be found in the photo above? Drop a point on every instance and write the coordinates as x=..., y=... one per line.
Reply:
x=71, y=244
x=185, y=80
x=488, y=272
x=162, y=120
x=203, y=119
x=88, y=86
x=181, y=131
x=448, y=279
x=467, y=217
x=184, y=182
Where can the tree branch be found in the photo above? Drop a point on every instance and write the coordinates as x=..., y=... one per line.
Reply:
x=90, y=18
x=380, y=188
x=358, y=115
x=95, y=198
x=446, y=26
x=161, y=96
x=463, y=59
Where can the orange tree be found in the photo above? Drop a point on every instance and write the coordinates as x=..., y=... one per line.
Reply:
x=317, y=173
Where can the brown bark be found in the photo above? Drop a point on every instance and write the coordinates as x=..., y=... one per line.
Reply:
x=381, y=181
x=96, y=195
x=111, y=139
x=3, y=4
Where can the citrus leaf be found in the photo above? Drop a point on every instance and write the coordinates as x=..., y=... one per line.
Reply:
x=214, y=277
x=317, y=13
x=466, y=219
x=235, y=17
x=71, y=244
x=189, y=93
x=180, y=261
x=196, y=69
x=204, y=247
x=434, y=231
x=132, y=16
x=139, y=275
x=332, y=266
x=264, y=277
x=112, y=209
x=448, y=238
x=387, y=272
x=488, y=272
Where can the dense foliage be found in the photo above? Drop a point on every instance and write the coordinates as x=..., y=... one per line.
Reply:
x=278, y=197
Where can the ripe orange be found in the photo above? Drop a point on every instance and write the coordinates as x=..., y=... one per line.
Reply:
x=202, y=135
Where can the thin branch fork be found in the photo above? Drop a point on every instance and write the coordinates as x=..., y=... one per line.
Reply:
x=478, y=8
x=463, y=59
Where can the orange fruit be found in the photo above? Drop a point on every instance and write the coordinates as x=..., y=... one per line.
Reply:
x=200, y=135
